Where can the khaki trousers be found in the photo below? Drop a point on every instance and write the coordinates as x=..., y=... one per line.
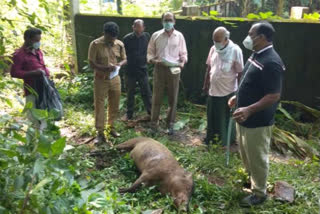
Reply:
x=164, y=79
x=110, y=89
x=254, y=149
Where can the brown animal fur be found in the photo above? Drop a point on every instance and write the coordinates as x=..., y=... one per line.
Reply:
x=158, y=166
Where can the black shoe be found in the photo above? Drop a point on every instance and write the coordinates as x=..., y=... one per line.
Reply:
x=129, y=117
x=100, y=139
x=170, y=130
x=252, y=200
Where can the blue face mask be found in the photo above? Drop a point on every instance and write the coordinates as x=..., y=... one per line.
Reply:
x=168, y=25
x=36, y=45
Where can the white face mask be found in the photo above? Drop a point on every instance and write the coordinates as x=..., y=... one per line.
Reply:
x=218, y=45
x=248, y=43
x=36, y=45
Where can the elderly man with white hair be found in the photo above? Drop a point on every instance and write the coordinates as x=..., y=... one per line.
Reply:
x=224, y=67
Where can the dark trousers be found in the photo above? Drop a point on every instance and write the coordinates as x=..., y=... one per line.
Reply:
x=142, y=79
x=218, y=116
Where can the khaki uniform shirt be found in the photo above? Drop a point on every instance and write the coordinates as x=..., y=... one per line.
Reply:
x=106, y=54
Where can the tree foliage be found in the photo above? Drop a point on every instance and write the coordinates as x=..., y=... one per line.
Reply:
x=51, y=16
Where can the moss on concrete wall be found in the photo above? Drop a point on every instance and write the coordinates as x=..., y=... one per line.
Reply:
x=297, y=43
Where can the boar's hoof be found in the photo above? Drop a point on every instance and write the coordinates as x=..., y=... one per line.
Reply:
x=123, y=190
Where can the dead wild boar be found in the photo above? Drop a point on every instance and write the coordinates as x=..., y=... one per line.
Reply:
x=158, y=166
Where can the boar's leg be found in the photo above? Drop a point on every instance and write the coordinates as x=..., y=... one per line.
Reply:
x=129, y=144
x=142, y=179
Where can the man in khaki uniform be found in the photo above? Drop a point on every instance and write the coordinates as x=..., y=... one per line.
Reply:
x=106, y=56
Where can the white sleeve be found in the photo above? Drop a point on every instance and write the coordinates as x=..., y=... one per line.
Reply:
x=238, y=60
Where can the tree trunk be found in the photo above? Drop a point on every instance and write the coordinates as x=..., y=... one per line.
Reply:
x=245, y=7
x=74, y=9
x=311, y=8
x=279, y=10
x=119, y=7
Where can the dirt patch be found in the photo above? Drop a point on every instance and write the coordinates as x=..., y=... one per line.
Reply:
x=185, y=136
x=189, y=137
x=279, y=158
x=69, y=132
x=74, y=137
x=216, y=180
x=103, y=158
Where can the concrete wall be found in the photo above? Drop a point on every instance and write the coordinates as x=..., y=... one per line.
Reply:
x=297, y=43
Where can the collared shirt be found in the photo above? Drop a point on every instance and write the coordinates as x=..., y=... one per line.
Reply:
x=224, y=70
x=264, y=49
x=106, y=54
x=263, y=74
x=24, y=61
x=136, y=50
x=172, y=48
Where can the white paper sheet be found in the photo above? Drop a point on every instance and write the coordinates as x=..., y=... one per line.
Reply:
x=175, y=70
x=115, y=73
x=170, y=63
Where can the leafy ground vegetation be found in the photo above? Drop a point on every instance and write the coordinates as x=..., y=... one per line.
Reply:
x=62, y=171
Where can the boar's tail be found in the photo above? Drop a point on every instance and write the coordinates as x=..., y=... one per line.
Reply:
x=190, y=196
x=129, y=144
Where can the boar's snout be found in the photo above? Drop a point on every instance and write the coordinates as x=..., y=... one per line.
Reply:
x=181, y=202
x=184, y=189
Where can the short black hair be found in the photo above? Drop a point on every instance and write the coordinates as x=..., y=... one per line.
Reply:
x=31, y=33
x=165, y=13
x=266, y=29
x=111, y=28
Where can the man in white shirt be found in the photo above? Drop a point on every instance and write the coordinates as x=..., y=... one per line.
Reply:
x=224, y=66
x=166, y=45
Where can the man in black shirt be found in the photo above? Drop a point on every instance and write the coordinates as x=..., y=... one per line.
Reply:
x=256, y=102
x=136, y=44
